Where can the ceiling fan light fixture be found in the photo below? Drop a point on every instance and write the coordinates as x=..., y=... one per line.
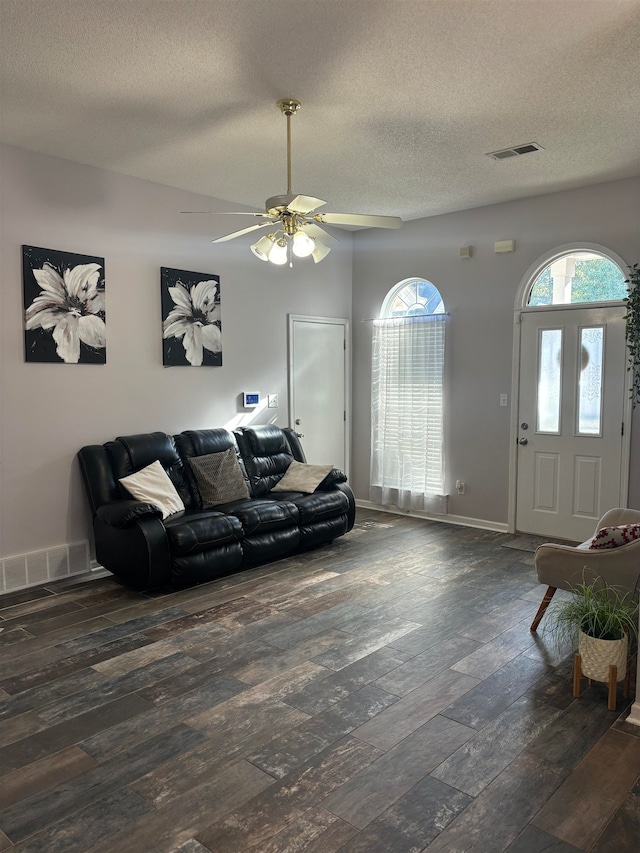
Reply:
x=278, y=252
x=303, y=245
x=321, y=251
x=262, y=248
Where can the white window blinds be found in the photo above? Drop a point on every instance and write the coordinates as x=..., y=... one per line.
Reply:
x=407, y=466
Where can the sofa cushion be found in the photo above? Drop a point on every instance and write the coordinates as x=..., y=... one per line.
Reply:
x=152, y=485
x=194, y=532
x=266, y=455
x=131, y=453
x=263, y=516
x=219, y=478
x=319, y=506
x=300, y=477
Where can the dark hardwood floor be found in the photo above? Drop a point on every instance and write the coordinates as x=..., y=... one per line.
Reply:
x=381, y=695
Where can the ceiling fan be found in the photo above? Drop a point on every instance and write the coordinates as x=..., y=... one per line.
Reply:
x=297, y=227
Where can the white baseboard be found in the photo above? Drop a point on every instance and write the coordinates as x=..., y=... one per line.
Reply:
x=460, y=520
x=634, y=714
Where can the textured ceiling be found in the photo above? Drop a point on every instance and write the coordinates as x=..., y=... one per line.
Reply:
x=402, y=99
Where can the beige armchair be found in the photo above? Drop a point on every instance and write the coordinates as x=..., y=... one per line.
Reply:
x=565, y=567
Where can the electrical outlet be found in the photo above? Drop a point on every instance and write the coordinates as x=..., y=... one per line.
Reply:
x=272, y=401
x=504, y=400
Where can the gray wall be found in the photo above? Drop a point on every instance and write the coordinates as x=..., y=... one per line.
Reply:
x=48, y=411
x=480, y=294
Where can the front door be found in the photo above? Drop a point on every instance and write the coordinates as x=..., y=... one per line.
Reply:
x=570, y=419
x=318, y=388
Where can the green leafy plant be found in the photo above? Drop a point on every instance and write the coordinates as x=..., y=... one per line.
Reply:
x=633, y=329
x=603, y=612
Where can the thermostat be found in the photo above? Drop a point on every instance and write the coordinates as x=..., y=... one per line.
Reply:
x=250, y=399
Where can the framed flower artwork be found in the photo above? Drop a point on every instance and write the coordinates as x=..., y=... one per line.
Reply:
x=191, y=324
x=64, y=311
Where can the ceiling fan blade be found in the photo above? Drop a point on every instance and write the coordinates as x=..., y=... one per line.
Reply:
x=243, y=231
x=228, y=213
x=316, y=232
x=365, y=219
x=305, y=204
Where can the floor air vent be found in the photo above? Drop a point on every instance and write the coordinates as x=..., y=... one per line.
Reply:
x=529, y=148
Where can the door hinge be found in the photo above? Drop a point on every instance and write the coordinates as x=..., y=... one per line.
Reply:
x=344, y=417
x=622, y=429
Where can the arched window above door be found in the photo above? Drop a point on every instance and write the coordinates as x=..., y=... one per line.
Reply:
x=578, y=277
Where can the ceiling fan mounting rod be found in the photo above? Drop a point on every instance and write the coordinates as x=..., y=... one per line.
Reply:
x=288, y=107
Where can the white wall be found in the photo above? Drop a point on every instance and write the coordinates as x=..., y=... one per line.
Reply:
x=480, y=294
x=48, y=411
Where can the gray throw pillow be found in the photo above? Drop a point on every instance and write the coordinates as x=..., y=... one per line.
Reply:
x=219, y=478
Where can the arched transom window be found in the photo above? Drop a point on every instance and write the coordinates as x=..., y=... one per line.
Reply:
x=578, y=277
x=411, y=297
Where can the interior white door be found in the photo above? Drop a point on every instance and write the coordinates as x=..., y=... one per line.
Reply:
x=318, y=387
x=570, y=419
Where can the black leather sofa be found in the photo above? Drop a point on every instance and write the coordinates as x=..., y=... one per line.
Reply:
x=197, y=545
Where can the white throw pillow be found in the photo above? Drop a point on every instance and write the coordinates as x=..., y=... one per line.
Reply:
x=151, y=484
x=300, y=477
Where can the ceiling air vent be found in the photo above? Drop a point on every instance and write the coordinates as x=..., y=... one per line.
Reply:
x=529, y=148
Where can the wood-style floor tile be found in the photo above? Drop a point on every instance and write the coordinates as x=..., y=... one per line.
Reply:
x=317, y=831
x=482, y=757
x=409, y=713
x=40, y=775
x=88, y=826
x=496, y=692
x=180, y=819
x=578, y=811
x=499, y=814
x=377, y=787
x=284, y=802
x=51, y=739
x=534, y=840
x=413, y=821
x=36, y=812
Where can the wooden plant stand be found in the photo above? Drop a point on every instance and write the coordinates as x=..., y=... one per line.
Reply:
x=613, y=680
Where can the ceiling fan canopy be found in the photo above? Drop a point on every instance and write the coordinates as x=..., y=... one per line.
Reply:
x=297, y=226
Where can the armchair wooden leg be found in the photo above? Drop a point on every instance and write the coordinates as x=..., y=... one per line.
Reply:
x=545, y=603
x=577, y=674
x=613, y=683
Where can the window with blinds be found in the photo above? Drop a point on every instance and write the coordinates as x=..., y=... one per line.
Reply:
x=407, y=464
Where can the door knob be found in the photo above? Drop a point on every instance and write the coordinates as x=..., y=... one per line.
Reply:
x=300, y=434
x=298, y=421
x=523, y=441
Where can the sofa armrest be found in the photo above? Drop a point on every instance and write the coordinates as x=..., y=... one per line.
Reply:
x=333, y=477
x=124, y=513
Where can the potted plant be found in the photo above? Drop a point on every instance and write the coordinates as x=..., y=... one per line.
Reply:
x=633, y=329
x=602, y=621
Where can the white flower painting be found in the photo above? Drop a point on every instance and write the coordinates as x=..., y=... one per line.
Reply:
x=64, y=307
x=191, y=323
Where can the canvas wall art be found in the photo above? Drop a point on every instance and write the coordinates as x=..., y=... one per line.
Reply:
x=191, y=324
x=64, y=310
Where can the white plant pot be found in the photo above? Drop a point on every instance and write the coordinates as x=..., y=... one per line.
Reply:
x=597, y=655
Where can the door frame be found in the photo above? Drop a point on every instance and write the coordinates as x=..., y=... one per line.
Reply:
x=521, y=308
x=333, y=321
